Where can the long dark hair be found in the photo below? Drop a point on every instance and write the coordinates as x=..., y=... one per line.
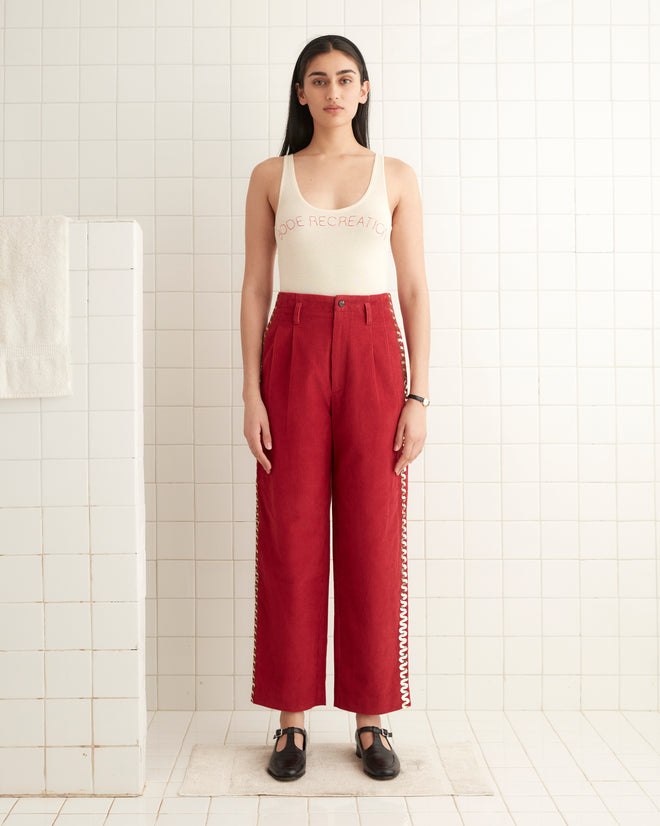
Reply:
x=300, y=126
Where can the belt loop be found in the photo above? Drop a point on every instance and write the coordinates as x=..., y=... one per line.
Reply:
x=367, y=310
x=296, y=312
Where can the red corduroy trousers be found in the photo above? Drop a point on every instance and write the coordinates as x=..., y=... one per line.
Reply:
x=333, y=382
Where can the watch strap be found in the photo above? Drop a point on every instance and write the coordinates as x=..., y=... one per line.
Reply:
x=421, y=399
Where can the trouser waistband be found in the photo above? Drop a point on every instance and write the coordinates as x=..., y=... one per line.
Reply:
x=372, y=308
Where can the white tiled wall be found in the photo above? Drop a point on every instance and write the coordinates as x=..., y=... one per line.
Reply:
x=533, y=127
x=72, y=558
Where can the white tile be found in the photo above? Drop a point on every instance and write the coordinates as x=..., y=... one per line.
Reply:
x=22, y=722
x=114, y=577
x=111, y=244
x=68, y=722
x=68, y=673
x=66, y=530
x=112, y=340
x=20, y=578
x=21, y=626
x=24, y=490
x=148, y=803
x=113, y=529
x=115, y=721
x=382, y=805
x=19, y=435
x=234, y=805
x=390, y=818
x=277, y=805
x=184, y=805
x=115, y=674
x=431, y=806
x=21, y=529
x=112, y=292
x=237, y=818
x=333, y=819
x=113, y=481
x=68, y=770
x=333, y=805
x=117, y=768
x=86, y=805
x=67, y=624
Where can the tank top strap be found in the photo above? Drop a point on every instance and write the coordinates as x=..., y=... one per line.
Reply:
x=286, y=178
x=379, y=187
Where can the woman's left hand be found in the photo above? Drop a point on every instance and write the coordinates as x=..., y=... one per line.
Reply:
x=410, y=432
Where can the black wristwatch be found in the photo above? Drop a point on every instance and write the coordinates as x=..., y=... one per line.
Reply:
x=421, y=399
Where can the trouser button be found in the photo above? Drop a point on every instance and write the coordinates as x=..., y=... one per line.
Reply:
x=341, y=302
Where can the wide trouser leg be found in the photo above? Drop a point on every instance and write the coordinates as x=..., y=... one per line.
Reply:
x=369, y=511
x=293, y=515
x=333, y=382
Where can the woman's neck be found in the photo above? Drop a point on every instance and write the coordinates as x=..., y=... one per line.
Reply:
x=333, y=142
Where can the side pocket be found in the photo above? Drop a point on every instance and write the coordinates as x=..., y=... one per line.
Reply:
x=400, y=348
x=269, y=333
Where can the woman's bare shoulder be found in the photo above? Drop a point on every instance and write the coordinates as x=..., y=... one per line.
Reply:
x=401, y=178
x=265, y=180
x=397, y=169
x=268, y=169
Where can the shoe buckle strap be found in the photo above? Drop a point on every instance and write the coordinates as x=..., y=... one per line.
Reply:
x=288, y=729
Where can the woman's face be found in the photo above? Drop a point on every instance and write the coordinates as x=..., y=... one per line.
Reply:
x=332, y=88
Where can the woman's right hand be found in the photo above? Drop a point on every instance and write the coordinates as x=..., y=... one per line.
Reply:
x=256, y=430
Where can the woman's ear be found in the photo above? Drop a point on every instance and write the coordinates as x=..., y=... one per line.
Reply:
x=301, y=95
x=364, y=94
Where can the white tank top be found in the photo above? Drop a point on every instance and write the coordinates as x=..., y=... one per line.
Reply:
x=333, y=251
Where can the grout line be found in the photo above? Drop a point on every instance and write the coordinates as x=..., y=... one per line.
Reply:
x=44, y=703
x=533, y=764
x=88, y=468
x=571, y=748
x=577, y=376
x=474, y=740
x=3, y=126
x=492, y=771
x=116, y=70
x=167, y=794
x=502, y=594
x=195, y=639
x=619, y=680
x=539, y=406
x=613, y=719
x=236, y=678
x=155, y=639
x=653, y=370
x=460, y=353
x=412, y=600
x=647, y=736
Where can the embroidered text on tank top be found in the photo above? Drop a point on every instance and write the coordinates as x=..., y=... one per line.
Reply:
x=333, y=251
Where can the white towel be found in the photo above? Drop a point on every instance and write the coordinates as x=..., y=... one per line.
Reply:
x=34, y=307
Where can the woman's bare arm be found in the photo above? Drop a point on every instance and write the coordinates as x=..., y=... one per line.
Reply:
x=408, y=252
x=256, y=297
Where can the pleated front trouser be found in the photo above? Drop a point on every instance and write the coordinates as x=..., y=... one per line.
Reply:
x=334, y=383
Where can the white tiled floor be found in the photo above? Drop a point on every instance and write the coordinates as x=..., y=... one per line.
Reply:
x=593, y=768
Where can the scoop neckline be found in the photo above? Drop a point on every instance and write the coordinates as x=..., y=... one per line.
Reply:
x=334, y=209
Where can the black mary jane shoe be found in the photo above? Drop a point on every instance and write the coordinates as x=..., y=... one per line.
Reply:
x=289, y=763
x=377, y=761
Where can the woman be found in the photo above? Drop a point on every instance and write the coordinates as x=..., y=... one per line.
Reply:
x=327, y=415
